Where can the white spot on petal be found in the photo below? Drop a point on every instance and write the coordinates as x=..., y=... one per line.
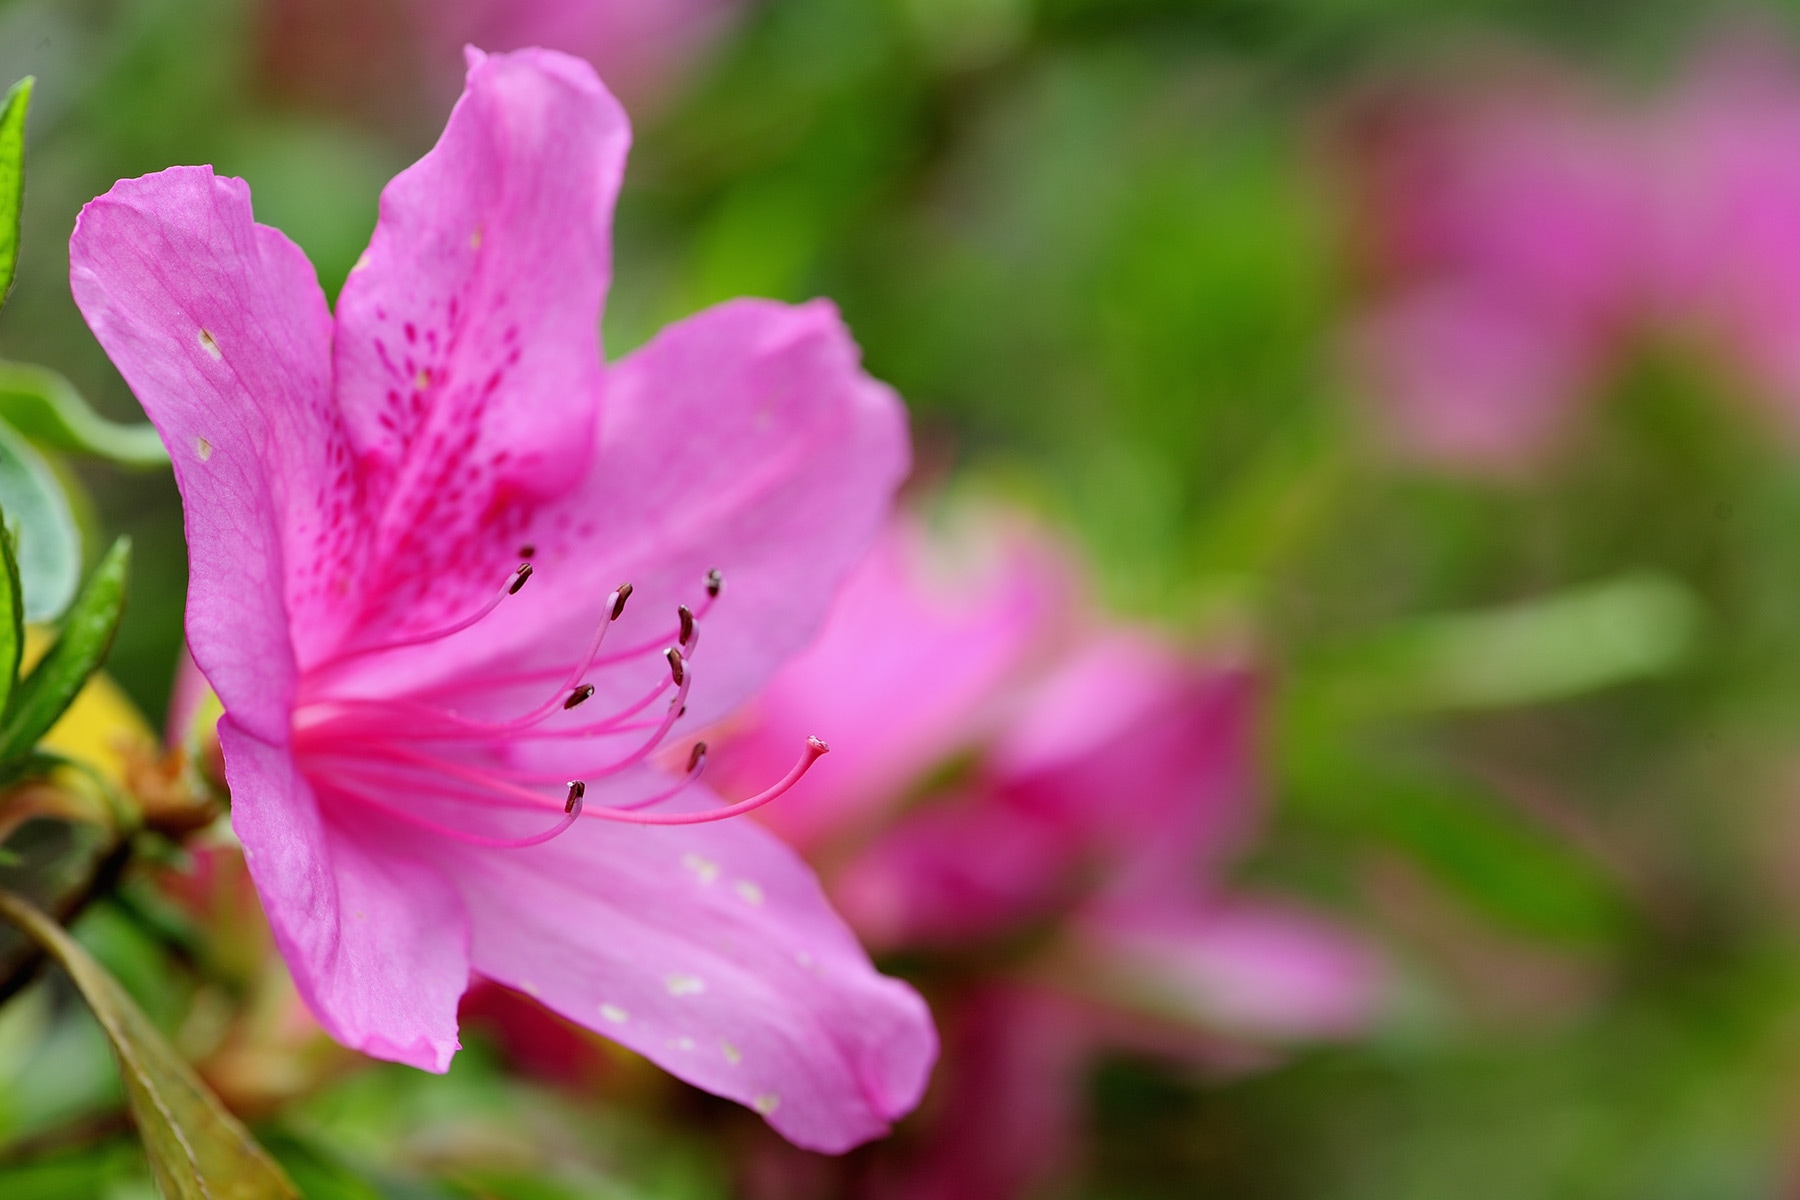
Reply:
x=749, y=891
x=528, y=987
x=731, y=1053
x=766, y=1103
x=422, y=380
x=210, y=344
x=203, y=448
x=475, y=239
x=680, y=1043
x=361, y=915
x=685, y=985
x=614, y=1013
x=362, y=262
x=703, y=869
x=804, y=959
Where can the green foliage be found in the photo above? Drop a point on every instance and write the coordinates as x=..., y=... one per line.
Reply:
x=1534, y=652
x=39, y=518
x=47, y=409
x=12, y=626
x=197, y=1150
x=81, y=645
x=12, y=178
x=1507, y=865
x=83, y=1175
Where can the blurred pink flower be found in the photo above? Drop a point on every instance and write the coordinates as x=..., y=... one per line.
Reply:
x=1128, y=770
x=1062, y=815
x=923, y=637
x=1516, y=228
x=401, y=710
x=641, y=48
x=1727, y=168
x=1529, y=232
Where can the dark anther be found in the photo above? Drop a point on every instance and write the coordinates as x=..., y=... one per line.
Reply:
x=577, y=790
x=622, y=594
x=519, y=578
x=527, y=550
x=687, y=623
x=697, y=757
x=578, y=695
x=715, y=582
x=677, y=668
x=682, y=713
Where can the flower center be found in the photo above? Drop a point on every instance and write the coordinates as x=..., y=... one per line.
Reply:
x=407, y=757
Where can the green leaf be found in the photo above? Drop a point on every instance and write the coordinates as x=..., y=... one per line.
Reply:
x=87, y=634
x=47, y=541
x=1635, y=627
x=48, y=410
x=1522, y=874
x=197, y=1150
x=12, y=622
x=12, y=177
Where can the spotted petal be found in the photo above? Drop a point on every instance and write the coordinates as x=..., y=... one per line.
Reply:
x=220, y=328
x=468, y=350
x=711, y=951
x=376, y=939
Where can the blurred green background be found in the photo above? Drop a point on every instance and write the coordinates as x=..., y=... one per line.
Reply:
x=1105, y=253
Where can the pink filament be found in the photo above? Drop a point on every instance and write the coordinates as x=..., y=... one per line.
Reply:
x=811, y=754
x=629, y=814
x=510, y=587
x=476, y=839
x=380, y=755
x=691, y=777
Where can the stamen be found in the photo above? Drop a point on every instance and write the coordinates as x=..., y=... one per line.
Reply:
x=715, y=583
x=812, y=752
x=577, y=791
x=686, y=617
x=677, y=671
x=571, y=813
x=696, y=767
x=578, y=695
x=514, y=582
x=619, y=598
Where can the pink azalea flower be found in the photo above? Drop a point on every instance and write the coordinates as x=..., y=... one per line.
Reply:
x=1727, y=167
x=367, y=495
x=1516, y=224
x=1143, y=791
x=1531, y=233
x=1079, y=796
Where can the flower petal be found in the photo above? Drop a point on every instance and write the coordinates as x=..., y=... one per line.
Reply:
x=710, y=950
x=963, y=869
x=1257, y=968
x=1471, y=382
x=377, y=942
x=900, y=678
x=219, y=326
x=747, y=439
x=1150, y=756
x=468, y=348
